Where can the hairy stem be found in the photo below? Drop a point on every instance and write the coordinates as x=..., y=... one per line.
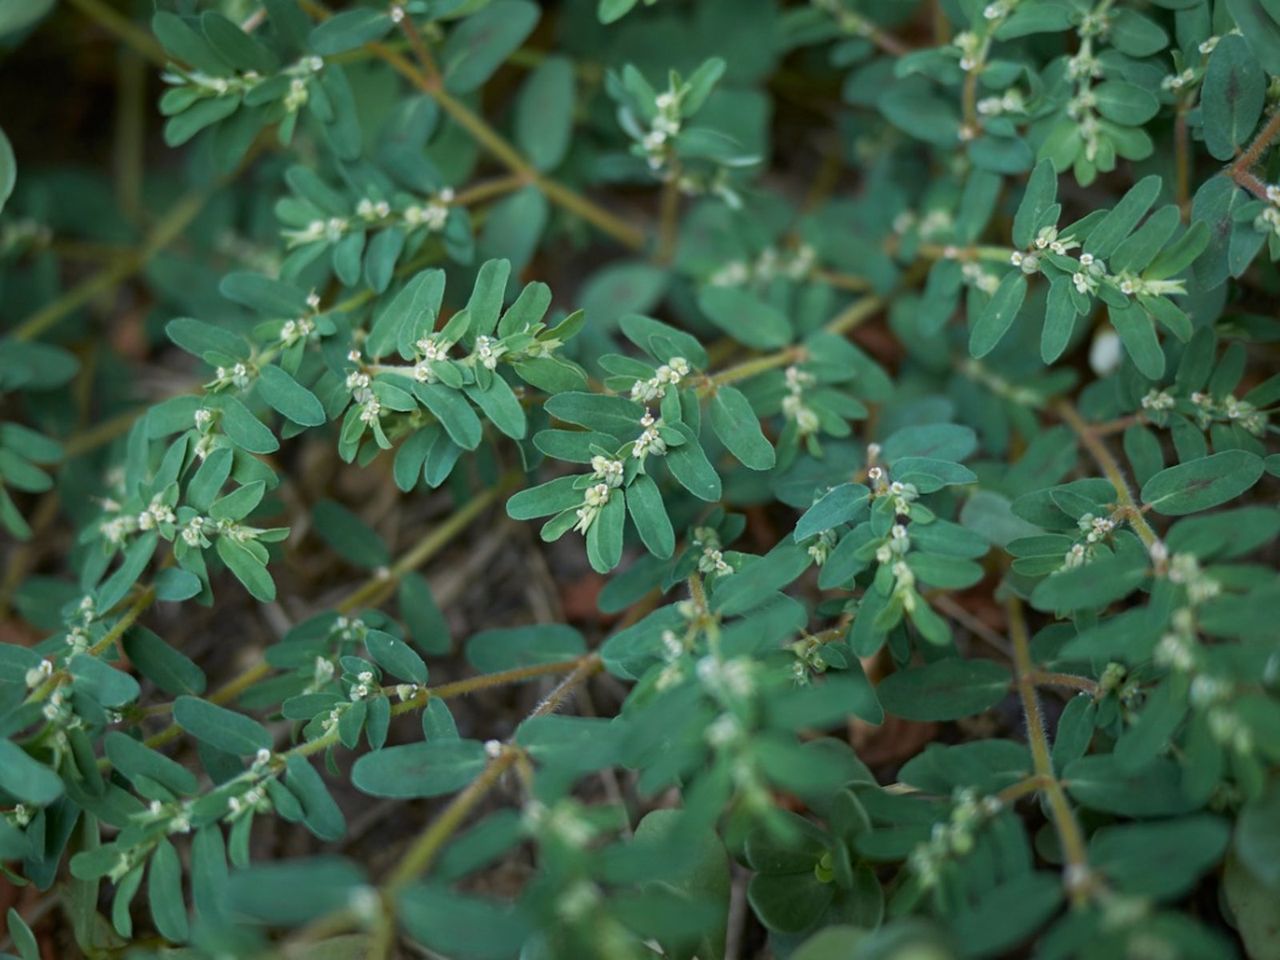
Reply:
x=1047, y=678
x=669, y=216
x=486, y=681
x=1241, y=171
x=1077, y=876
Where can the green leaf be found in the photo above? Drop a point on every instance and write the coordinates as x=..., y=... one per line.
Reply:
x=1254, y=906
x=1007, y=914
x=1145, y=243
x=168, y=668
x=1162, y=712
x=947, y=689
x=544, y=113
x=1138, y=334
x=1120, y=221
x=137, y=761
x=395, y=656
x=476, y=48
x=1257, y=835
x=459, y=925
x=174, y=585
x=1156, y=790
x=247, y=568
x=350, y=536
x=427, y=627
x=219, y=727
x=454, y=413
x=205, y=113
x=644, y=503
x=604, y=536
x=205, y=340
x=509, y=648
x=292, y=892
x=1258, y=25
x=939, y=570
x=321, y=814
x=179, y=39
x=937, y=441
x=545, y=499
x=419, y=769
x=164, y=891
x=1138, y=36
x=414, y=307
x=610, y=11
x=239, y=503
x=1059, y=320
x=622, y=288
x=245, y=430
x=1091, y=586
x=840, y=504
x=25, y=778
x=485, y=303
x=789, y=903
x=1125, y=103
x=1038, y=201
x=1159, y=860
x=688, y=463
x=503, y=408
x=136, y=557
x=577, y=744
x=24, y=941
x=1232, y=96
x=208, y=479
x=831, y=943
x=109, y=686
x=241, y=50
x=381, y=256
x=662, y=341
x=1217, y=204
x=1032, y=19
x=738, y=428
x=998, y=315
x=1202, y=484
x=8, y=169
x=271, y=298
x=614, y=415
x=756, y=581
x=745, y=318
x=349, y=29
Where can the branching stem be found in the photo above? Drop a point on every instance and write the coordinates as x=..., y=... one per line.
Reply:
x=1241, y=171
x=1111, y=469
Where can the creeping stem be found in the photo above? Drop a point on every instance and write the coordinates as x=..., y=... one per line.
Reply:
x=1078, y=877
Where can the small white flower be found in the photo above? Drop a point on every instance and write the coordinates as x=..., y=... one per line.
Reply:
x=38, y=674
x=610, y=471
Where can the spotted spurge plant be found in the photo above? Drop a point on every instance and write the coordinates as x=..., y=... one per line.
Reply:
x=894, y=381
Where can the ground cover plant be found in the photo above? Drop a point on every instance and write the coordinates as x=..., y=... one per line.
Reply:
x=599, y=479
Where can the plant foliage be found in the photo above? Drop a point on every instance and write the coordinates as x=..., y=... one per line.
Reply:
x=902, y=372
